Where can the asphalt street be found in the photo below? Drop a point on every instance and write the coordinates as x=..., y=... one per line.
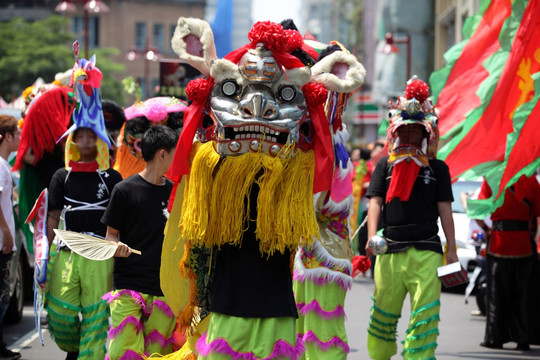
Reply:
x=460, y=332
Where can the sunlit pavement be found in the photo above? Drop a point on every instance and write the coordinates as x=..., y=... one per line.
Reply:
x=459, y=339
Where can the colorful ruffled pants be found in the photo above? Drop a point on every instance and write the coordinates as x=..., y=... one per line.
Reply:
x=230, y=337
x=75, y=286
x=320, y=284
x=414, y=272
x=142, y=324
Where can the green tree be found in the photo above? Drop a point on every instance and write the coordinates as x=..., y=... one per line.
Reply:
x=29, y=50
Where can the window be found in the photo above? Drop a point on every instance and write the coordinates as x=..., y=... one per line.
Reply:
x=158, y=39
x=140, y=35
x=77, y=28
x=172, y=28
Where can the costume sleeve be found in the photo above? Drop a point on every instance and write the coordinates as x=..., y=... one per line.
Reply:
x=377, y=185
x=56, y=190
x=116, y=211
x=115, y=178
x=535, y=196
x=444, y=183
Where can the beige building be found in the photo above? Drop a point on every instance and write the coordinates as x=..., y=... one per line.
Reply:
x=450, y=15
x=132, y=26
x=135, y=28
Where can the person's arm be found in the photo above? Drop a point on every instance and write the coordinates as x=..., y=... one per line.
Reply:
x=447, y=221
x=53, y=218
x=113, y=235
x=7, y=237
x=374, y=216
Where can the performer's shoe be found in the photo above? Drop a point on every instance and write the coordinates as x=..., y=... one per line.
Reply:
x=491, y=345
x=5, y=353
x=523, y=347
x=72, y=355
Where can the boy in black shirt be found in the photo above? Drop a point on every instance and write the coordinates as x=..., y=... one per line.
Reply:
x=409, y=189
x=78, y=196
x=136, y=218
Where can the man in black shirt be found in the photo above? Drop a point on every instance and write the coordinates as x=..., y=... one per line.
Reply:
x=136, y=218
x=410, y=189
x=78, y=196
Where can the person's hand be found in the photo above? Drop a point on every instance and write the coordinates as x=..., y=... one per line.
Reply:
x=451, y=257
x=7, y=242
x=122, y=251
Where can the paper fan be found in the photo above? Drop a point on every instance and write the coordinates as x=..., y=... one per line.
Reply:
x=88, y=246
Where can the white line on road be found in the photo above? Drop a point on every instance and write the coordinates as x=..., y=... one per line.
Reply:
x=26, y=339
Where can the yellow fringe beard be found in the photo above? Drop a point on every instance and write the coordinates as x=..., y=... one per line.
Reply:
x=216, y=199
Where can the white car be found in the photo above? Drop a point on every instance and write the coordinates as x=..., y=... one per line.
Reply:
x=465, y=250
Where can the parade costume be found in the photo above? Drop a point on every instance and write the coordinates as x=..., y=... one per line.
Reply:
x=46, y=117
x=161, y=110
x=81, y=191
x=142, y=321
x=247, y=204
x=511, y=254
x=322, y=271
x=411, y=182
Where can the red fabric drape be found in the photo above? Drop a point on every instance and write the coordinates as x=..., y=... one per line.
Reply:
x=402, y=182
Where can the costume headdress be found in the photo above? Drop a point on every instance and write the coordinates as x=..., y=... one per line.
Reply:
x=164, y=110
x=86, y=81
x=264, y=61
x=46, y=117
x=413, y=108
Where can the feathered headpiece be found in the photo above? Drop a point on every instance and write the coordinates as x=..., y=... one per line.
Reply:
x=414, y=108
x=86, y=81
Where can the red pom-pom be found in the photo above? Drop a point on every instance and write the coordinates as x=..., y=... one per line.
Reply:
x=315, y=94
x=417, y=89
x=198, y=90
x=360, y=263
x=294, y=40
x=270, y=34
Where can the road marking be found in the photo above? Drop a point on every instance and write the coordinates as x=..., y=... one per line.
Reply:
x=26, y=339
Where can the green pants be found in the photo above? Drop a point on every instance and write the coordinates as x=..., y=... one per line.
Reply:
x=414, y=272
x=229, y=337
x=76, y=285
x=142, y=325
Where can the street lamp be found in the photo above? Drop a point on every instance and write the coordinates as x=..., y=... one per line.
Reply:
x=390, y=47
x=90, y=6
x=150, y=53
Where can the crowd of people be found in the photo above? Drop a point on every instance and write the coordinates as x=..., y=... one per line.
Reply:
x=224, y=247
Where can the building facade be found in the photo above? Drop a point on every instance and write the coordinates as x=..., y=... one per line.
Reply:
x=132, y=26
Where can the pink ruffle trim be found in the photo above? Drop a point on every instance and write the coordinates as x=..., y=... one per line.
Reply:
x=320, y=281
x=156, y=336
x=325, y=345
x=316, y=307
x=281, y=350
x=137, y=297
x=129, y=320
x=139, y=300
x=128, y=355
x=161, y=305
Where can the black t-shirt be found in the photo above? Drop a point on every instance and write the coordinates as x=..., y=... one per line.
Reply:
x=138, y=210
x=248, y=284
x=78, y=190
x=414, y=220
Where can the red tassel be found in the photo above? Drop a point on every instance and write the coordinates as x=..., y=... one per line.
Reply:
x=47, y=119
x=402, y=182
x=361, y=264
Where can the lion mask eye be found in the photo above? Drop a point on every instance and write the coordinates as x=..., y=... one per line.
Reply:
x=287, y=93
x=229, y=88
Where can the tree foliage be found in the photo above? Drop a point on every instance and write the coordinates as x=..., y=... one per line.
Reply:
x=42, y=48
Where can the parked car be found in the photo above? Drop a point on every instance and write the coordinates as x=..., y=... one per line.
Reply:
x=465, y=250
